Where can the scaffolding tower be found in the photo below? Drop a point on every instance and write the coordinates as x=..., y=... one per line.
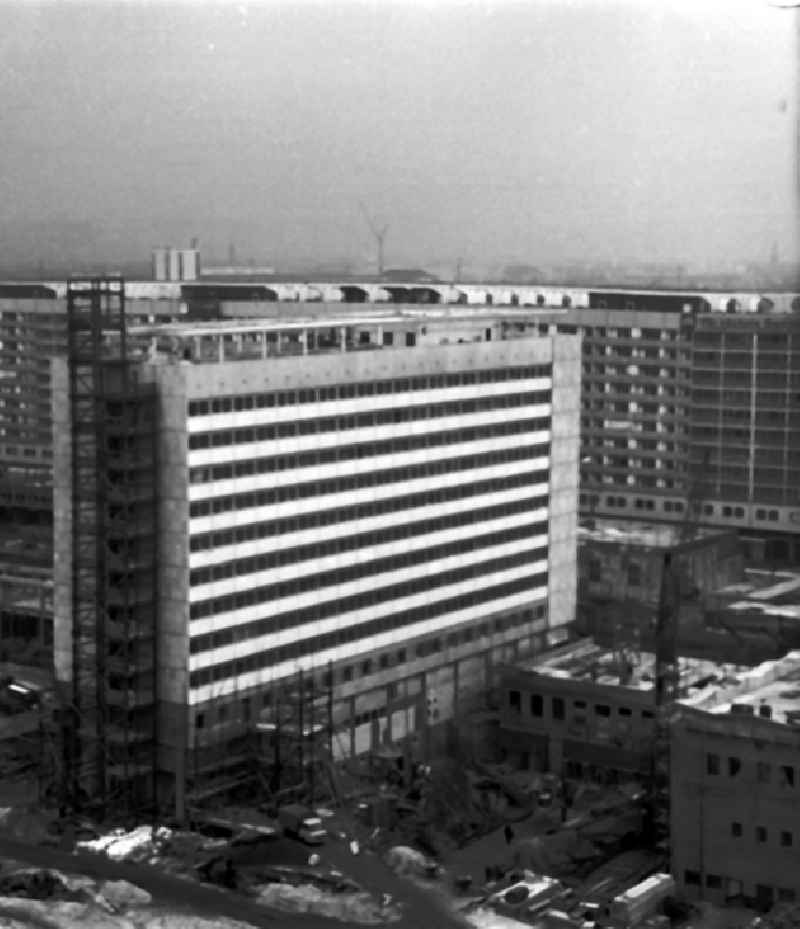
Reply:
x=297, y=738
x=108, y=718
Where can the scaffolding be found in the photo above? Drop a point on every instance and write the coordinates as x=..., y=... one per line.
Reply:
x=283, y=751
x=108, y=719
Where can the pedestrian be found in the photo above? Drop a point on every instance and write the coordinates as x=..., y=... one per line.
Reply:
x=508, y=832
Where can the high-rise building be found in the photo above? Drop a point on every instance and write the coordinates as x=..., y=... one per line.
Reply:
x=388, y=521
x=690, y=413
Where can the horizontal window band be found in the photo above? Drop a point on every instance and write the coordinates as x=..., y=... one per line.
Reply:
x=363, y=569
x=352, y=543
x=326, y=609
x=364, y=510
x=322, y=487
x=394, y=621
x=383, y=387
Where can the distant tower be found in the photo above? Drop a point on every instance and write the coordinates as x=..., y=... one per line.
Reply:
x=379, y=235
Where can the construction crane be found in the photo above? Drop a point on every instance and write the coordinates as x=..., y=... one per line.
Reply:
x=666, y=678
x=667, y=671
x=379, y=233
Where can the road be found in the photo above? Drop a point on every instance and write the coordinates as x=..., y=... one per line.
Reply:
x=420, y=909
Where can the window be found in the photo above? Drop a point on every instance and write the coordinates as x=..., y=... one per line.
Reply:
x=647, y=714
x=634, y=575
x=347, y=673
x=786, y=895
x=514, y=701
x=200, y=721
x=713, y=881
x=787, y=775
x=558, y=708
x=712, y=764
x=595, y=570
x=763, y=772
x=691, y=877
x=624, y=711
x=401, y=656
x=734, y=766
x=786, y=839
x=761, y=833
x=736, y=830
x=366, y=666
x=602, y=709
x=537, y=705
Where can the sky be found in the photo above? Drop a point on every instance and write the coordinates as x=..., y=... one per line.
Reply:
x=489, y=133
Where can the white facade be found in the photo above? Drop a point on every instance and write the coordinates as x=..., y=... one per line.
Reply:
x=340, y=506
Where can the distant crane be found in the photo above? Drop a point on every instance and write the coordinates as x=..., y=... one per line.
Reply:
x=379, y=234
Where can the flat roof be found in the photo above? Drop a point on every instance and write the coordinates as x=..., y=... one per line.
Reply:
x=713, y=686
x=768, y=593
x=646, y=534
x=589, y=662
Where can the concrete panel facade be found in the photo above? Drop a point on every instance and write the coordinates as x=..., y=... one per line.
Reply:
x=62, y=524
x=564, y=472
x=735, y=824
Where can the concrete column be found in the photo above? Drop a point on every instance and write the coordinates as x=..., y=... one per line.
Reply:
x=303, y=338
x=220, y=348
x=343, y=338
x=263, y=344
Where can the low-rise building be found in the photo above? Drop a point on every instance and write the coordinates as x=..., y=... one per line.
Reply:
x=586, y=710
x=735, y=825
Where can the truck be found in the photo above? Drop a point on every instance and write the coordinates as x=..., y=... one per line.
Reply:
x=646, y=899
x=299, y=822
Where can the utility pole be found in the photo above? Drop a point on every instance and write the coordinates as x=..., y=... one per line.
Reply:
x=313, y=739
x=330, y=711
x=300, y=699
x=276, y=773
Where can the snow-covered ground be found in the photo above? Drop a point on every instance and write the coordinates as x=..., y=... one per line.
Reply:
x=484, y=918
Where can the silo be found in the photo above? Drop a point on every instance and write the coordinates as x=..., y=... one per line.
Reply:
x=174, y=271
x=189, y=264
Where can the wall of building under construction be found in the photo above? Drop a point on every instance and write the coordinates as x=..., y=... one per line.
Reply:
x=571, y=726
x=735, y=819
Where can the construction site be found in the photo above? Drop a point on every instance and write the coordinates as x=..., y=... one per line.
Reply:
x=511, y=767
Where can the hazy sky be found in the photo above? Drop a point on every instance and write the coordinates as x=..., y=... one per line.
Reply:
x=532, y=131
